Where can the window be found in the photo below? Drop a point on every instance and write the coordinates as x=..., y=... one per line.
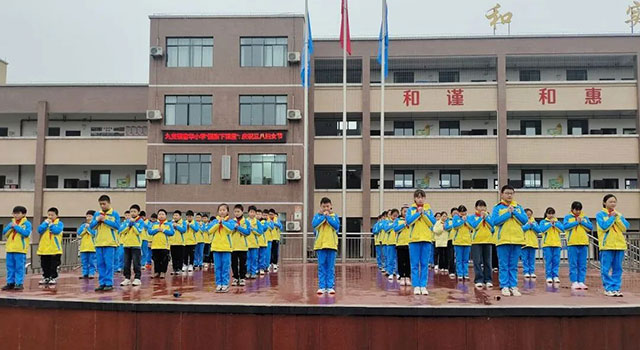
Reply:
x=629, y=131
x=450, y=128
x=532, y=178
x=71, y=183
x=403, y=77
x=495, y=184
x=187, y=169
x=576, y=74
x=190, y=52
x=263, y=52
x=530, y=75
x=330, y=177
x=51, y=181
x=141, y=179
x=449, y=178
x=579, y=178
x=53, y=132
x=631, y=184
x=403, y=179
x=262, y=169
x=4, y=132
x=100, y=178
x=353, y=127
x=333, y=127
x=329, y=71
x=449, y=77
x=187, y=110
x=530, y=127
x=3, y=181
x=72, y=133
x=609, y=131
x=606, y=184
x=263, y=110
x=403, y=128
x=578, y=126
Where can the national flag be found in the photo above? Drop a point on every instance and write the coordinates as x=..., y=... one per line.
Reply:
x=345, y=38
x=305, y=73
x=383, y=39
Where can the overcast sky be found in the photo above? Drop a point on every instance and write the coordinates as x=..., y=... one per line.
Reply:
x=107, y=40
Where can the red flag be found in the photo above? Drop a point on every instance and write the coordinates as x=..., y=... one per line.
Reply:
x=344, y=24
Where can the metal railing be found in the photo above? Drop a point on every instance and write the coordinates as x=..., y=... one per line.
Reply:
x=70, y=255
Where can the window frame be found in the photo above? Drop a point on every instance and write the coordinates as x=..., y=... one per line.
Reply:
x=581, y=123
x=138, y=173
x=279, y=101
x=627, y=184
x=575, y=71
x=169, y=178
x=191, y=48
x=440, y=128
x=403, y=125
x=453, y=73
x=404, y=77
x=527, y=73
x=265, y=49
x=202, y=103
x=99, y=173
x=537, y=126
x=404, y=174
x=251, y=163
x=450, y=173
x=580, y=172
x=523, y=174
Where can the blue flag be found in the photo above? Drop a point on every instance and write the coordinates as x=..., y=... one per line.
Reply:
x=305, y=75
x=383, y=39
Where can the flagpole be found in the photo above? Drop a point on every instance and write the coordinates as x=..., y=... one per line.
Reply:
x=382, y=80
x=344, y=133
x=305, y=122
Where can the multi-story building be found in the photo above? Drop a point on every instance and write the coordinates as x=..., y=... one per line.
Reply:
x=555, y=116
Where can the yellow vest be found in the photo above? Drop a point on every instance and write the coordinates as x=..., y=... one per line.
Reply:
x=612, y=238
x=107, y=236
x=178, y=237
x=403, y=237
x=17, y=243
x=326, y=236
x=238, y=240
x=190, y=235
x=551, y=237
x=463, y=235
x=50, y=243
x=86, y=241
x=421, y=229
x=221, y=237
x=262, y=240
x=531, y=236
x=131, y=237
x=509, y=232
x=254, y=238
x=578, y=234
x=160, y=240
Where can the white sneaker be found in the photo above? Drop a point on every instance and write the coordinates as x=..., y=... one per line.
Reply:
x=424, y=291
x=526, y=275
x=583, y=286
x=466, y=278
x=261, y=272
x=331, y=291
x=416, y=291
x=436, y=268
x=452, y=275
x=397, y=276
x=618, y=294
x=506, y=292
x=459, y=278
x=242, y=282
x=575, y=286
x=533, y=275
x=556, y=280
x=320, y=291
x=126, y=282
x=489, y=285
x=479, y=285
x=275, y=268
x=218, y=288
x=44, y=281
x=495, y=269
x=550, y=280
x=190, y=268
x=390, y=278
x=402, y=282
x=235, y=282
x=136, y=282
x=184, y=268
x=408, y=281
x=52, y=281
x=609, y=293
x=515, y=292
x=224, y=289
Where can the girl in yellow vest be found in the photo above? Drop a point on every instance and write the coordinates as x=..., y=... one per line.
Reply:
x=481, y=242
x=177, y=243
x=611, y=226
x=160, y=233
x=442, y=238
x=392, y=254
x=551, y=230
x=16, y=234
x=577, y=226
x=222, y=247
x=462, y=242
x=420, y=220
x=50, y=246
x=531, y=231
x=253, y=242
x=190, y=242
x=199, y=254
x=87, y=247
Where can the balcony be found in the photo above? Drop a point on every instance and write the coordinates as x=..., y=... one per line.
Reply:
x=568, y=149
x=442, y=150
x=11, y=198
x=18, y=150
x=76, y=202
x=96, y=151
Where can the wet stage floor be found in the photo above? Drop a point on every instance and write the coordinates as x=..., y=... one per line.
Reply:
x=356, y=285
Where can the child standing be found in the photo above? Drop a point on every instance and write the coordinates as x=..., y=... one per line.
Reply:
x=152, y=220
x=253, y=242
x=262, y=242
x=462, y=242
x=531, y=231
x=106, y=222
x=132, y=241
x=451, y=256
x=551, y=230
x=420, y=220
x=50, y=246
x=118, y=263
x=402, y=247
x=611, y=226
x=481, y=242
x=87, y=247
x=144, y=248
x=442, y=237
x=392, y=261
x=240, y=245
x=326, y=225
x=177, y=243
x=190, y=242
x=275, y=243
x=222, y=247
x=577, y=225
x=160, y=232
x=206, y=254
x=17, y=234
x=382, y=234
x=199, y=254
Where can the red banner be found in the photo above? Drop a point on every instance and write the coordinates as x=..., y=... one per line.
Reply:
x=224, y=136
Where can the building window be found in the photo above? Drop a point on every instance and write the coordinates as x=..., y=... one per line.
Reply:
x=530, y=127
x=530, y=75
x=631, y=184
x=329, y=177
x=403, y=128
x=333, y=127
x=187, y=169
x=53, y=132
x=100, y=178
x=329, y=71
x=495, y=184
x=71, y=183
x=187, y=110
x=403, y=179
x=578, y=126
x=4, y=132
x=353, y=127
x=190, y=52
x=72, y=133
x=141, y=179
x=449, y=178
x=403, y=77
x=51, y=181
x=263, y=52
x=532, y=178
x=579, y=178
x=263, y=110
x=629, y=131
x=3, y=181
x=449, y=77
x=449, y=128
x=576, y=74
x=606, y=184
x=262, y=169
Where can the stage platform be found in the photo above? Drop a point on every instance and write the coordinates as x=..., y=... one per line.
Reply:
x=282, y=311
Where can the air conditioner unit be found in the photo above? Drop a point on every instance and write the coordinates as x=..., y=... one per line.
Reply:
x=293, y=226
x=10, y=181
x=154, y=114
x=152, y=174
x=155, y=51
x=294, y=114
x=293, y=57
x=293, y=174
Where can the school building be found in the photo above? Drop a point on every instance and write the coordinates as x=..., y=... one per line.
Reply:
x=220, y=121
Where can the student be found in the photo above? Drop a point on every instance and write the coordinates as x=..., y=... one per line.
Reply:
x=206, y=254
x=436, y=268
x=160, y=233
x=275, y=243
x=118, y=263
x=16, y=234
x=451, y=256
x=152, y=220
x=222, y=246
x=481, y=242
x=374, y=231
x=190, y=242
x=390, y=240
x=531, y=231
x=402, y=248
x=442, y=237
x=177, y=243
x=420, y=220
x=50, y=246
x=240, y=244
x=268, y=234
x=611, y=226
x=551, y=230
x=132, y=240
x=87, y=247
x=386, y=226
x=199, y=254
x=508, y=216
x=382, y=233
x=262, y=242
x=462, y=242
x=144, y=248
x=577, y=226
x=326, y=225
x=106, y=222
x=253, y=242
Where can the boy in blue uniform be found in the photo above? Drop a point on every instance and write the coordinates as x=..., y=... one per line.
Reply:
x=87, y=247
x=326, y=224
x=17, y=234
x=106, y=222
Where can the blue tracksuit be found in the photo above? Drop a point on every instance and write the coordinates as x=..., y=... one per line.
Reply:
x=420, y=244
x=16, y=260
x=376, y=230
x=528, y=254
x=326, y=250
x=88, y=259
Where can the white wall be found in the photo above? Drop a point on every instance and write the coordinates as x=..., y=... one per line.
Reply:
x=83, y=126
x=551, y=123
x=562, y=175
x=84, y=173
x=434, y=125
x=432, y=176
x=560, y=74
x=12, y=123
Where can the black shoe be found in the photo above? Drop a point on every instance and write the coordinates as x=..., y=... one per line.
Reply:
x=84, y=277
x=100, y=288
x=18, y=287
x=90, y=277
x=107, y=288
x=9, y=286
